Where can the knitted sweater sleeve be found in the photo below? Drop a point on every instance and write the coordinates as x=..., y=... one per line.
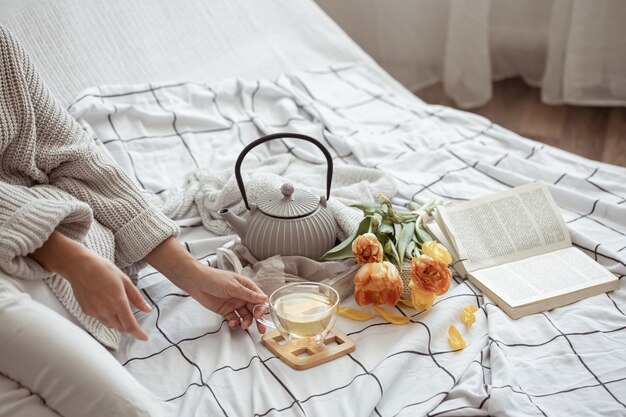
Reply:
x=27, y=218
x=49, y=147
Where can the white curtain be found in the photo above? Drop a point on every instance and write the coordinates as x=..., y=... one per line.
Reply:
x=574, y=50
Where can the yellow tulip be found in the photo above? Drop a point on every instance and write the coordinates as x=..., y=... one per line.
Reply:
x=467, y=315
x=354, y=314
x=390, y=317
x=421, y=300
x=437, y=251
x=456, y=340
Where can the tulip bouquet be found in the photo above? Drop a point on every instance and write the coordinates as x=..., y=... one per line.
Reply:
x=392, y=243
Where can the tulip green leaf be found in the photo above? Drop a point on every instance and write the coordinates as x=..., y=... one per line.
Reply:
x=385, y=229
x=400, y=230
x=367, y=207
x=390, y=250
x=397, y=228
x=411, y=249
x=423, y=236
x=376, y=221
x=418, y=227
x=411, y=205
x=344, y=249
x=406, y=234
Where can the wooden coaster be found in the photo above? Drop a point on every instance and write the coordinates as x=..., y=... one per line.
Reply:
x=301, y=357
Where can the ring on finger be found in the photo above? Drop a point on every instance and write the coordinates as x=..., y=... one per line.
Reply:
x=246, y=317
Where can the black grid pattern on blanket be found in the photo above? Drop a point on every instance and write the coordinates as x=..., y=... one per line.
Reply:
x=569, y=361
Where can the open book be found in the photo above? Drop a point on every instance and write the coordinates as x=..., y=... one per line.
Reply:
x=515, y=247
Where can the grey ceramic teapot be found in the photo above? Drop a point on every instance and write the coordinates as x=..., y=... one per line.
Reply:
x=288, y=221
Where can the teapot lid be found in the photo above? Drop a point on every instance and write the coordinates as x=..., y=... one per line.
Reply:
x=287, y=202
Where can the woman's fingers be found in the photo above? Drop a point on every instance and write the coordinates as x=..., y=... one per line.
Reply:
x=130, y=325
x=123, y=321
x=107, y=296
x=135, y=297
x=232, y=319
x=246, y=317
x=111, y=324
x=249, y=295
x=125, y=315
x=247, y=282
x=115, y=323
x=239, y=317
x=260, y=327
x=229, y=294
x=258, y=310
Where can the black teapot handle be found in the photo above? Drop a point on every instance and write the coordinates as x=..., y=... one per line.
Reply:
x=248, y=148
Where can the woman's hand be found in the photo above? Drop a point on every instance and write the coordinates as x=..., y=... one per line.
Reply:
x=102, y=290
x=223, y=292
x=229, y=294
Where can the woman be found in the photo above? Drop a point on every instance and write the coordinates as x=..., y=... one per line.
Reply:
x=73, y=230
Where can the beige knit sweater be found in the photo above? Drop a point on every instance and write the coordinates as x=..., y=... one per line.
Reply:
x=53, y=177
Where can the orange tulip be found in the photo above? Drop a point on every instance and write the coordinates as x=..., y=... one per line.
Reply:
x=377, y=283
x=366, y=248
x=430, y=275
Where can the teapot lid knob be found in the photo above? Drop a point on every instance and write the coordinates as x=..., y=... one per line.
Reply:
x=287, y=190
x=288, y=202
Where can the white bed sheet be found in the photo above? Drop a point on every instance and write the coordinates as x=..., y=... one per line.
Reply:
x=568, y=361
x=78, y=44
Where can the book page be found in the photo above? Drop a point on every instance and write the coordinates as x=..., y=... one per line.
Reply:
x=504, y=227
x=543, y=276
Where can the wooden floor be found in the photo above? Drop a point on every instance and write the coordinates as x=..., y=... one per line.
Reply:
x=597, y=133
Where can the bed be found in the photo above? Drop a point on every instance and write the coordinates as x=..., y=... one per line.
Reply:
x=165, y=112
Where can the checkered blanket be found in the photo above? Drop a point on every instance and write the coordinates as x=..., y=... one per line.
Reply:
x=569, y=361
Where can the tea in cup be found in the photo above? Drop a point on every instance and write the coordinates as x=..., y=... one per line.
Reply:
x=302, y=312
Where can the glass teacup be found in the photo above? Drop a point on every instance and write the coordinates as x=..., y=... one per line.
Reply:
x=302, y=312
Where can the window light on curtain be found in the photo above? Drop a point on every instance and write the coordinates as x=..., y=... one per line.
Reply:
x=574, y=50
